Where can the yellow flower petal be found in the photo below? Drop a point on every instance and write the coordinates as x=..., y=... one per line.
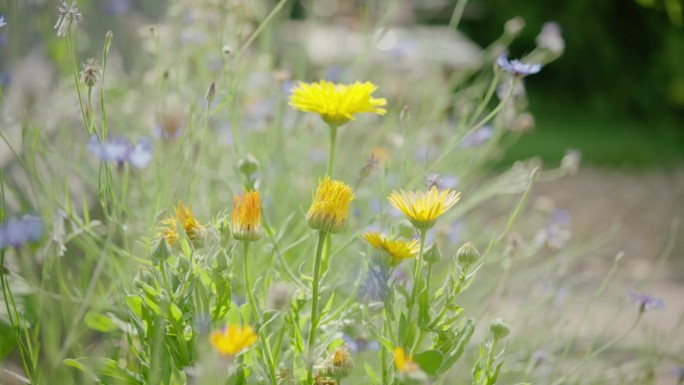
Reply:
x=423, y=208
x=336, y=103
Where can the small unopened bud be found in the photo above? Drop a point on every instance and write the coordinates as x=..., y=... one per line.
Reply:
x=108, y=41
x=467, y=254
x=499, y=329
x=571, y=161
x=433, y=254
x=161, y=250
x=514, y=26
x=211, y=93
x=248, y=165
x=227, y=49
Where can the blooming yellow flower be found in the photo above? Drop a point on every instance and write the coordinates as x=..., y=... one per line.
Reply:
x=397, y=249
x=403, y=362
x=233, y=339
x=187, y=221
x=423, y=208
x=336, y=103
x=330, y=207
x=245, y=222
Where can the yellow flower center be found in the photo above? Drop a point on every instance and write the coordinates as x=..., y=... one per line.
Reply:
x=423, y=208
x=232, y=340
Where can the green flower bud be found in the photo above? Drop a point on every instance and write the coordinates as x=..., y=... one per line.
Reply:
x=499, y=329
x=248, y=165
x=467, y=254
x=433, y=254
x=161, y=250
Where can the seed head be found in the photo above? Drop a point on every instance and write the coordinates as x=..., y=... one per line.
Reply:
x=91, y=72
x=69, y=17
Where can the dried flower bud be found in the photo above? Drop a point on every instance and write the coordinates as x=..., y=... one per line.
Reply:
x=227, y=49
x=342, y=363
x=467, y=254
x=69, y=17
x=91, y=72
x=499, y=329
x=211, y=93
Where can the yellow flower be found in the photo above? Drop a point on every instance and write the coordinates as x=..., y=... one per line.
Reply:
x=330, y=206
x=397, y=249
x=245, y=222
x=336, y=103
x=423, y=208
x=403, y=362
x=187, y=221
x=233, y=339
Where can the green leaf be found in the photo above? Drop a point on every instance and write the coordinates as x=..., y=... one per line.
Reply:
x=99, y=322
x=430, y=361
x=371, y=374
x=75, y=364
x=328, y=306
x=134, y=303
x=176, y=312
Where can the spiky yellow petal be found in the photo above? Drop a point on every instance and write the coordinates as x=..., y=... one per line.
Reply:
x=336, y=103
x=245, y=221
x=184, y=218
x=330, y=207
x=423, y=208
x=396, y=249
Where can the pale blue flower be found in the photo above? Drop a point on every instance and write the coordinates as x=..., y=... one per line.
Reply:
x=18, y=232
x=517, y=68
x=479, y=137
x=2, y=21
x=120, y=150
x=646, y=301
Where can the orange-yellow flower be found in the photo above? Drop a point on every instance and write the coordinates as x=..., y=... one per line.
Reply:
x=336, y=103
x=232, y=340
x=245, y=222
x=423, y=208
x=330, y=207
x=403, y=362
x=187, y=222
x=397, y=249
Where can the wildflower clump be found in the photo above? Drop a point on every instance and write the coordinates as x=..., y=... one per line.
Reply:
x=330, y=207
x=184, y=218
x=337, y=103
x=232, y=340
x=423, y=208
x=245, y=222
x=397, y=249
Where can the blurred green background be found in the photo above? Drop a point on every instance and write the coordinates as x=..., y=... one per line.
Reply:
x=616, y=94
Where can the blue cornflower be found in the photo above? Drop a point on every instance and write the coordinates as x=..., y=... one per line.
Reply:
x=479, y=137
x=120, y=150
x=18, y=232
x=646, y=301
x=517, y=68
x=360, y=343
x=2, y=21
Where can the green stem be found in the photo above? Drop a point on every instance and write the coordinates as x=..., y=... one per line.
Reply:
x=322, y=235
x=456, y=15
x=257, y=316
x=78, y=87
x=416, y=279
x=331, y=154
x=103, y=110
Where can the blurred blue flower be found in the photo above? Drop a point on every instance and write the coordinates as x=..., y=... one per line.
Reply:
x=18, y=232
x=517, y=68
x=360, y=344
x=2, y=21
x=120, y=150
x=117, y=7
x=646, y=301
x=478, y=138
x=561, y=216
x=333, y=74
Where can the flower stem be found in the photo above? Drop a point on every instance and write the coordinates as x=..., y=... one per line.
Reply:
x=331, y=153
x=78, y=87
x=314, y=300
x=416, y=280
x=250, y=296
